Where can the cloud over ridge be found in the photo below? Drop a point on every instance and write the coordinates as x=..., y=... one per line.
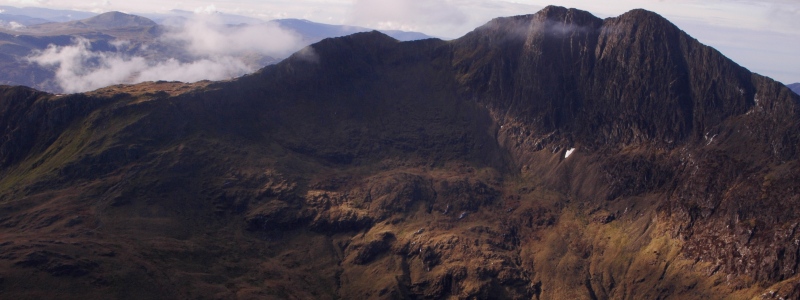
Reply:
x=202, y=48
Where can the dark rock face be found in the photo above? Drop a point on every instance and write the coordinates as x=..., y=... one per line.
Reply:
x=631, y=79
x=554, y=155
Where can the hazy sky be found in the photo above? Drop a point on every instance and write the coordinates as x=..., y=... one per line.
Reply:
x=763, y=36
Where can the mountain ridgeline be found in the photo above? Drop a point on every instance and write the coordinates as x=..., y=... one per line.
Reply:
x=97, y=42
x=546, y=156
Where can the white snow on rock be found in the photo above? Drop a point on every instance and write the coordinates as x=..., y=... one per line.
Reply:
x=569, y=152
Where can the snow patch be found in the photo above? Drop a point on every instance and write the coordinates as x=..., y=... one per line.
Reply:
x=710, y=140
x=569, y=152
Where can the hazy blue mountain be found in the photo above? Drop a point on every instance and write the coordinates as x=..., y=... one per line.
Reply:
x=795, y=87
x=176, y=17
x=17, y=45
x=406, y=35
x=51, y=15
x=6, y=19
x=122, y=37
x=314, y=32
x=115, y=19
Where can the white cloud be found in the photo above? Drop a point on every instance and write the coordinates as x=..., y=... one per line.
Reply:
x=11, y=25
x=206, y=35
x=215, y=52
x=15, y=25
x=79, y=69
x=208, y=10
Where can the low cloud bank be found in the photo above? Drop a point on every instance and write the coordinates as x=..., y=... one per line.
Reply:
x=11, y=25
x=205, y=35
x=79, y=69
x=200, y=49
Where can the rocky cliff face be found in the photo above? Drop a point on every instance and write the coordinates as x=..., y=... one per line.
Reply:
x=554, y=155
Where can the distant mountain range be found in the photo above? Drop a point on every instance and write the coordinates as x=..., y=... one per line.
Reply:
x=315, y=32
x=36, y=15
x=106, y=23
x=795, y=87
x=28, y=32
x=177, y=16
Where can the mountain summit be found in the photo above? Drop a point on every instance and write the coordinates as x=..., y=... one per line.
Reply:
x=115, y=19
x=554, y=155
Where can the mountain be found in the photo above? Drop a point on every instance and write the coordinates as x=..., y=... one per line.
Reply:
x=114, y=19
x=6, y=19
x=795, y=87
x=554, y=155
x=51, y=15
x=405, y=36
x=175, y=17
x=112, y=40
x=110, y=22
x=311, y=32
x=100, y=32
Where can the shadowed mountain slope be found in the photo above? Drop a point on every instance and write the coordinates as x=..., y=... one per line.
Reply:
x=554, y=155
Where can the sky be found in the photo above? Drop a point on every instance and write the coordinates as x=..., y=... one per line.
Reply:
x=763, y=36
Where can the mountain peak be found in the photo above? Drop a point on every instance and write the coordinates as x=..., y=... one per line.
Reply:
x=563, y=13
x=640, y=13
x=551, y=19
x=552, y=11
x=115, y=19
x=643, y=16
x=367, y=39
